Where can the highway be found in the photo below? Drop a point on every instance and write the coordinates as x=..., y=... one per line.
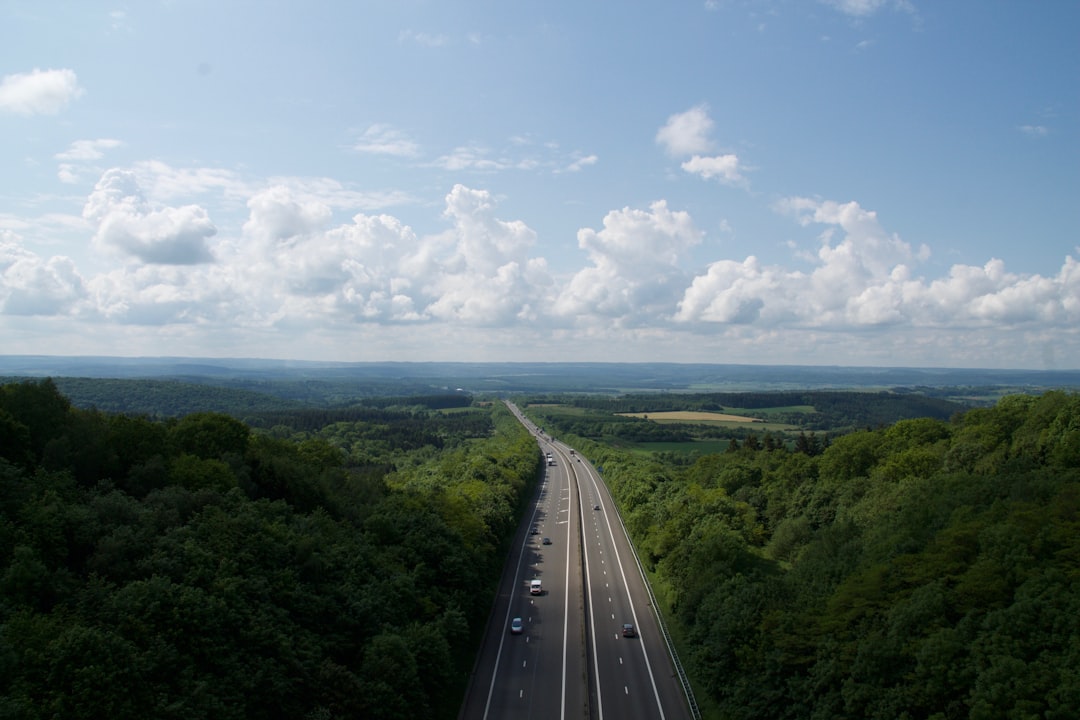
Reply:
x=571, y=659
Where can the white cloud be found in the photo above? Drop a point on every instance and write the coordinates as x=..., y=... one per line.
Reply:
x=277, y=215
x=865, y=280
x=127, y=223
x=634, y=272
x=486, y=278
x=40, y=92
x=30, y=285
x=293, y=270
x=297, y=271
x=723, y=167
x=1035, y=131
x=687, y=133
x=380, y=139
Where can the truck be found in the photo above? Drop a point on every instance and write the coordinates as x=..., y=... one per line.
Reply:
x=535, y=588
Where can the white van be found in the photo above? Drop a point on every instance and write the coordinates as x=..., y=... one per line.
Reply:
x=534, y=588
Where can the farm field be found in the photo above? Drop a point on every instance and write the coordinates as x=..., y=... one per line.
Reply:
x=690, y=416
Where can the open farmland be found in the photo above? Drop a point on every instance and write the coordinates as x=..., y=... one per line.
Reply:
x=690, y=416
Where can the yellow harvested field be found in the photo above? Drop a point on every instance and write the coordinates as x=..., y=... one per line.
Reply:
x=691, y=416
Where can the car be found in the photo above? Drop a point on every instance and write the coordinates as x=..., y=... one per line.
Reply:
x=516, y=627
x=628, y=630
x=595, y=507
x=534, y=532
x=547, y=541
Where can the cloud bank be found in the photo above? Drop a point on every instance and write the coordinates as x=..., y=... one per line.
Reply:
x=292, y=269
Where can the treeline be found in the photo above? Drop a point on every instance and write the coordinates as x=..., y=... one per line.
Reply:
x=167, y=398
x=930, y=569
x=245, y=398
x=832, y=410
x=195, y=568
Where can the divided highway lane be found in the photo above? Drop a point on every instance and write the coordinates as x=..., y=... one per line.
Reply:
x=572, y=660
x=539, y=673
x=633, y=677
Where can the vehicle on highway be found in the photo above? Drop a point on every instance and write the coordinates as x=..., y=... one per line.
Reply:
x=535, y=588
x=547, y=541
x=628, y=630
x=595, y=507
x=516, y=627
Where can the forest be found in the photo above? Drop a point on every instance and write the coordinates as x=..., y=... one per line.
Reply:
x=320, y=566
x=337, y=562
x=927, y=569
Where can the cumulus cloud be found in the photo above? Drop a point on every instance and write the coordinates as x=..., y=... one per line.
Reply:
x=277, y=215
x=486, y=277
x=30, y=285
x=40, y=92
x=865, y=279
x=634, y=272
x=126, y=223
x=297, y=269
x=687, y=133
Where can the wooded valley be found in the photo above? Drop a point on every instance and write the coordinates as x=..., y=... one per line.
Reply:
x=340, y=562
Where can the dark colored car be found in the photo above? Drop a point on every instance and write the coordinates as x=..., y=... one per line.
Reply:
x=515, y=626
x=595, y=507
x=628, y=630
x=547, y=541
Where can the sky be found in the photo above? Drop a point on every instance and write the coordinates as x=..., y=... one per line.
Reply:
x=811, y=182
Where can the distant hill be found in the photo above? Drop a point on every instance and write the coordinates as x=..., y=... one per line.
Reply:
x=423, y=377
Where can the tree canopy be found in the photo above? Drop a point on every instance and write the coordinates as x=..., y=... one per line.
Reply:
x=928, y=569
x=200, y=568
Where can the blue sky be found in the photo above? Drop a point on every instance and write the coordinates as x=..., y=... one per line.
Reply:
x=840, y=182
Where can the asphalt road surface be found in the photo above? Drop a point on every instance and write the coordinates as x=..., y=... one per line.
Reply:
x=572, y=659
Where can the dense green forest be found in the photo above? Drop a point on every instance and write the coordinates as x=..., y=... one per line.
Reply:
x=332, y=566
x=248, y=399
x=333, y=562
x=929, y=569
